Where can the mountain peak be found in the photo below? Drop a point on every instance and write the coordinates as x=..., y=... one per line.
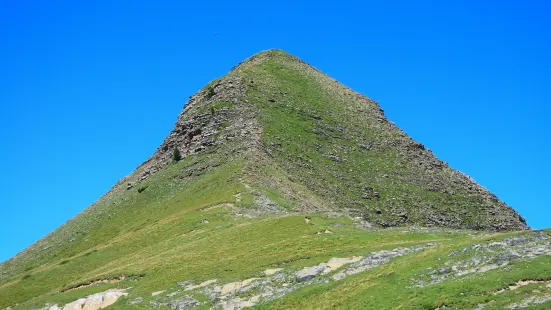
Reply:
x=271, y=164
x=335, y=147
x=271, y=54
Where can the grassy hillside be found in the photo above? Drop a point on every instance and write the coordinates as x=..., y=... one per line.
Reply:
x=284, y=168
x=231, y=248
x=340, y=145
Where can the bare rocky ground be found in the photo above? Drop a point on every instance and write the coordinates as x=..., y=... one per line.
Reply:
x=93, y=302
x=481, y=258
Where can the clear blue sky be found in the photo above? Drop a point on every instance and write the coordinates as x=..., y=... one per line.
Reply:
x=88, y=91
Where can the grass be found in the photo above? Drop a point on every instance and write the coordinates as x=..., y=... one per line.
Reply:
x=230, y=249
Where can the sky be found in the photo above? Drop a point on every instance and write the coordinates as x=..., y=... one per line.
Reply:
x=90, y=89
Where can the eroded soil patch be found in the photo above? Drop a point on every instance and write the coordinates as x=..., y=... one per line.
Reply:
x=98, y=282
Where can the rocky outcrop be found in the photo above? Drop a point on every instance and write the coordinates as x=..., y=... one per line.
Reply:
x=278, y=282
x=92, y=302
x=482, y=258
x=213, y=116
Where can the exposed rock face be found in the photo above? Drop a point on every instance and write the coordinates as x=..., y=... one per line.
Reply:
x=482, y=258
x=270, y=272
x=183, y=303
x=92, y=302
x=309, y=273
x=208, y=119
x=233, y=287
x=530, y=301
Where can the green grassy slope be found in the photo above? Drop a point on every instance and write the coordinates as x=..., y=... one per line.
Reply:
x=341, y=147
x=230, y=248
x=269, y=144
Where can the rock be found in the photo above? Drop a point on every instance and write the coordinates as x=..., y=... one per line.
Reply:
x=372, y=260
x=153, y=303
x=157, y=293
x=95, y=301
x=185, y=283
x=230, y=288
x=270, y=272
x=366, y=147
x=136, y=300
x=309, y=273
x=75, y=305
x=235, y=304
x=532, y=300
x=486, y=257
x=111, y=296
x=173, y=294
x=441, y=271
x=334, y=157
x=336, y=263
x=184, y=302
x=325, y=231
x=206, y=283
x=266, y=205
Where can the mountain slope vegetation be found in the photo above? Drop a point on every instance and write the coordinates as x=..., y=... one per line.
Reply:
x=290, y=191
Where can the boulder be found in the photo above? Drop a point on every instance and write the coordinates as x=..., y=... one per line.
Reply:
x=184, y=302
x=309, y=273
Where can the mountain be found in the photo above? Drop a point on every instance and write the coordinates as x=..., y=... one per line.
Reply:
x=281, y=188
